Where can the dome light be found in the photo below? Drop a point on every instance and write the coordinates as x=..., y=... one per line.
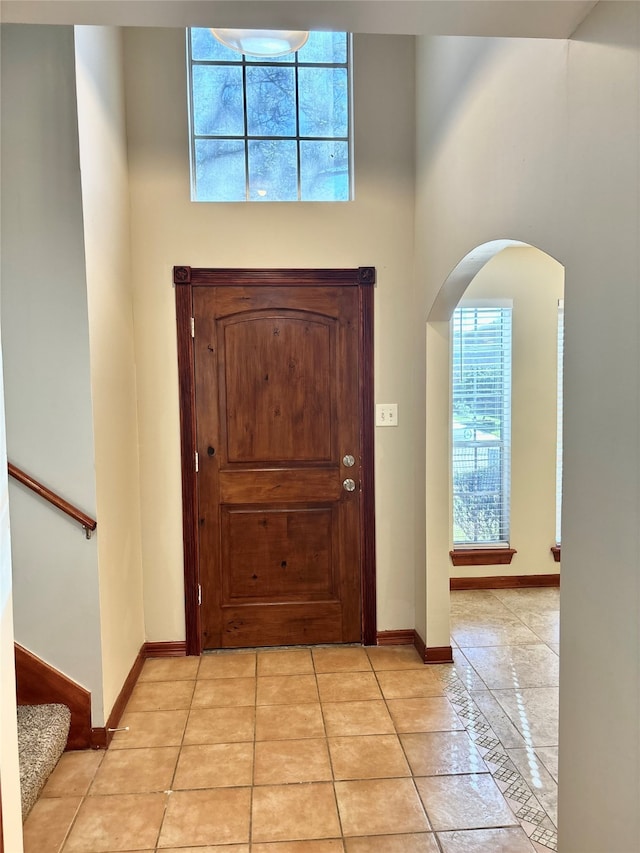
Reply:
x=265, y=43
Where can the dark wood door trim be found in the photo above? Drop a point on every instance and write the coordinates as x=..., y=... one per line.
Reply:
x=185, y=279
x=367, y=507
x=187, y=403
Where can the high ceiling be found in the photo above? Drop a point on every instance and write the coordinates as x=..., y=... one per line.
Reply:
x=523, y=18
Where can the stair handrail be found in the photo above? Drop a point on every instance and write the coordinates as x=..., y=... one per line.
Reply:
x=89, y=524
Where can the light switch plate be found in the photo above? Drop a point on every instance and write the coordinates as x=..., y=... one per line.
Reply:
x=386, y=414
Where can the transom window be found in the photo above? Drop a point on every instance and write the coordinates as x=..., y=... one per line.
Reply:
x=270, y=129
x=481, y=389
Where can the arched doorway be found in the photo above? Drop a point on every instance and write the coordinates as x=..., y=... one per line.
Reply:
x=485, y=275
x=438, y=431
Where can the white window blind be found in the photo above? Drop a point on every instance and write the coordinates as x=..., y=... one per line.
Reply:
x=481, y=391
x=559, y=409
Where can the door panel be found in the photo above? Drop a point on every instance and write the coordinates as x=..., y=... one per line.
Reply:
x=266, y=354
x=277, y=407
x=253, y=545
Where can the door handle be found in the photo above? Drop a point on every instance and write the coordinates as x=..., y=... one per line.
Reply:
x=349, y=485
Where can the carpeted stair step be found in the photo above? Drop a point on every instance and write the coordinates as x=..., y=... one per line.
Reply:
x=42, y=737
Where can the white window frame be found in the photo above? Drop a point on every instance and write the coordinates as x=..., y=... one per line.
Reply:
x=247, y=138
x=479, y=440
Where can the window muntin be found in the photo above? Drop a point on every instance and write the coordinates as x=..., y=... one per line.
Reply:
x=270, y=130
x=481, y=444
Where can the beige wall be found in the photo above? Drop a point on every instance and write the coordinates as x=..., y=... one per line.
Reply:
x=45, y=341
x=374, y=230
x=491, y=120
x=105, y=202
x=538, y=141
x=530, y=139
x=534, y=282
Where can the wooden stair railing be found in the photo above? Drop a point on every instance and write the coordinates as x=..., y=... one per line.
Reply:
x=89, y=524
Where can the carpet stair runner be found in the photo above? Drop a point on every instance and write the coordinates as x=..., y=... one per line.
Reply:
x=42, y=737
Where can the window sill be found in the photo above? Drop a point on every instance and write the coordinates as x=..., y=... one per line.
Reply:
x=482, y=556
x=555, y=550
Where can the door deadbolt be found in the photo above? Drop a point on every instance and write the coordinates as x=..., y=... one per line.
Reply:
x=348, y=460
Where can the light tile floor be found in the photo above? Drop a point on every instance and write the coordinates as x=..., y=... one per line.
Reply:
x=330, y=749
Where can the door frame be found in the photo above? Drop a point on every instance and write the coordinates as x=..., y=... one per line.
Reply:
x=185, y=279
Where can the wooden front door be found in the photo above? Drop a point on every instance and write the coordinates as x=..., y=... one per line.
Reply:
x=277, y=374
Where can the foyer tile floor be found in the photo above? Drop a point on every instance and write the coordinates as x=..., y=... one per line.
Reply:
x=330, y=749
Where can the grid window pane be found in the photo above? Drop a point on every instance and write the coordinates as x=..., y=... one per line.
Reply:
x=273, y=170
x=324, y=47
x=282, y=124
x=324, y=171
x=271, y=101
x=481, y=425
x=324, y=103
x=205, y=47
x=220, y=170
x=218, y=100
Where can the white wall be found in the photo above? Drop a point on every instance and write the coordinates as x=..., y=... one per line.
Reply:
x=105, y=202
x=46, y=354
x=539, y=141
x=374, y=230
x=9, y=770
x=600, y=602
x=534, y=282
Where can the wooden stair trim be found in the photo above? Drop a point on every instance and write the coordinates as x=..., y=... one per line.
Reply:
x=40, y=683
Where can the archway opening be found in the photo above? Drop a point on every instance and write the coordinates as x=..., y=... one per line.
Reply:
x=533, y=281
x=506, y=640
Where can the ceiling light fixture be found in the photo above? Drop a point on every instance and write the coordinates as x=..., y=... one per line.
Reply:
x=262, y=42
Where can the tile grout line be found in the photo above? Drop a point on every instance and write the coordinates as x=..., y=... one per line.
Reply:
x=255, y=740
x=169, y=792
x=402, y=747
x=510, y=609
x=77, y=812
x=331, y=767
x=515, y=614
x=469, y=701
x=453, y=683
